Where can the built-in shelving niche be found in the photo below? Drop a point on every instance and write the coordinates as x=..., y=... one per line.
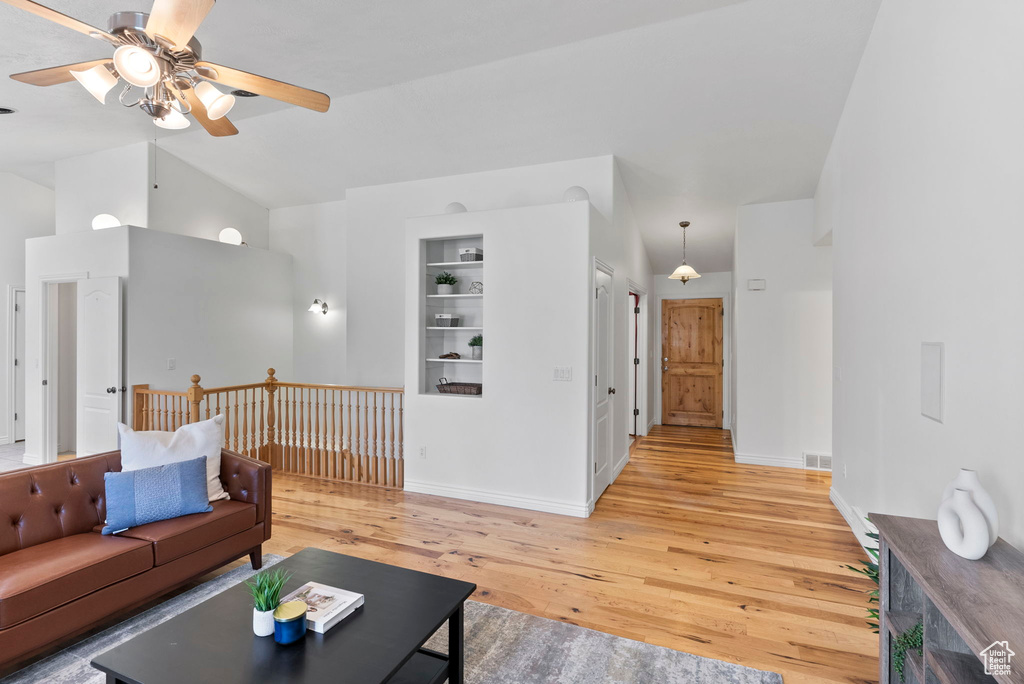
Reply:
x=443, y=255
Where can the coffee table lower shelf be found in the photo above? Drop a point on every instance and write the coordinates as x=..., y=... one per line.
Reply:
x=425, y=667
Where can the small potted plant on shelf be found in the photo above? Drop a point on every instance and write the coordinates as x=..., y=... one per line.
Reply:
x=265, y=588
x=445, y=282
x=476, y=343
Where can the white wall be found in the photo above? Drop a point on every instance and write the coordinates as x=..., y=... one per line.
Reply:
x=708, y=286
x=188, y=202
x=114, y=181
x=375, y=225
x=782, y=335
x=221, y=311
x=26, y=211
x=524, y=441
x=925, y=195
x=92, y=254
x=314, y=235
x=120, y=181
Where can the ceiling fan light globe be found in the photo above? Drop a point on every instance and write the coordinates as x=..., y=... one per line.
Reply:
x=137, y=66
x=97, y=80
x=684, y=273
x=173, y=120
x=217, y=103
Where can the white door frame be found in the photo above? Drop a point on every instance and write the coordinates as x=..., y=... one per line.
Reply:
x=48, y=359
x=12, y=292
x=643, y=423
x=726, y=298
x=599, y=265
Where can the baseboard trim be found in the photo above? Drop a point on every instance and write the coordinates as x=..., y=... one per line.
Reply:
x=777, y=461
x=855, y=518
x=3, y=440
x=32, y=459
x=621, y=464
x=501, y=499
x=651, y=425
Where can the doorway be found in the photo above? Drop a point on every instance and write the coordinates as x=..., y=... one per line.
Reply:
x=692, y=362
x=17, y=366
x=604, y=374
x=637, y=360
x=67, y=367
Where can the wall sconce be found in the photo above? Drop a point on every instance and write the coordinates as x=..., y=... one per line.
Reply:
x=319, y=306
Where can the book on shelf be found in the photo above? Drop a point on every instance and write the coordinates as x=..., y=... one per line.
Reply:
x=325, y=606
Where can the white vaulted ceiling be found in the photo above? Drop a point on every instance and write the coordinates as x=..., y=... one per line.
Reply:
x=708, y=104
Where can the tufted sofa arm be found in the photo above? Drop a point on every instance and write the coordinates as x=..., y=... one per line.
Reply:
x=246, y=479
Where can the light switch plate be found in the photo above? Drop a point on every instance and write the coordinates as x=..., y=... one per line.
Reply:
x=172, y=364
x=757, y=284
x=563, y=374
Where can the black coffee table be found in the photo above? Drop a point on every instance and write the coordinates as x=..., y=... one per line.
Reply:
x=380, y=642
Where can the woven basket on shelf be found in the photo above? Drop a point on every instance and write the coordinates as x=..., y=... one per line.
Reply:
x=445, y=387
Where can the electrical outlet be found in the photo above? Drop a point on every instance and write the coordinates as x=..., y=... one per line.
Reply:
x=423, y=453
x=562, y=374
x=172, y=364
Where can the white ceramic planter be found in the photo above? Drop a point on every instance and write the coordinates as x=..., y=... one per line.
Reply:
x=962, y=526
x=262, y=622
x=444, y=289
x=968, y=480
x=478, y=353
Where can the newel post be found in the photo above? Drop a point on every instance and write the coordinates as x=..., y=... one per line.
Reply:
x=195, y=397
x=139, y=407
x=271, y=449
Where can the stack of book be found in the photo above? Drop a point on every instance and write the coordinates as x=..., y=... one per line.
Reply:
x=326, y=606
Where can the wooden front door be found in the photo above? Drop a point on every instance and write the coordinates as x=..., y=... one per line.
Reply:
x=691, y=368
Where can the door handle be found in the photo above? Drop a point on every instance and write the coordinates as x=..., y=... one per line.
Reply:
x=611, y=390
x=111, y=390
x=665, y=359
x=665, y=368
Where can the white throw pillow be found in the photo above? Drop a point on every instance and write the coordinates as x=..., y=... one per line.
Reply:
x=147, y=449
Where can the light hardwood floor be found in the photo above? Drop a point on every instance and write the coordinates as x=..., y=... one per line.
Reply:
x=687, y=550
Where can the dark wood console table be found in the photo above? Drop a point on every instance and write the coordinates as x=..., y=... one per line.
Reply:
x=965, y=606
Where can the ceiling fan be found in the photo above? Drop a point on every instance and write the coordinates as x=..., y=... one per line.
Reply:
x=158, y=55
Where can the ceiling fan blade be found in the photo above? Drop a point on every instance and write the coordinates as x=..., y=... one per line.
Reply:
x=177, y=20
x=62, y=19
x=55, y=75
x=261, y=85
x=219, y=127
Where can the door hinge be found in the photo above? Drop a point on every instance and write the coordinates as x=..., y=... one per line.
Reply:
x=595, y=467
x=636, y=362
x=15, y=416
x=15, y=362
x=636, y=412
x=17, y=308
x=595, y=381
x=44, y=383
x=595, y=292
x=636, y=310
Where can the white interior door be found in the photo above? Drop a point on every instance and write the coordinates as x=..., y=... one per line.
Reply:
x=604, y=390
x=19, y=365
x=99, y=365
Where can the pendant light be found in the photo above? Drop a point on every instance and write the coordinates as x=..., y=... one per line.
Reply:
x=684, y=272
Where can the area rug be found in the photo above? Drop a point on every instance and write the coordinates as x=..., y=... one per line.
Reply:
x=502, y=647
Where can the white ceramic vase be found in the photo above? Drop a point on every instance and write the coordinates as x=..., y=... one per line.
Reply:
x=968, y=480
x=262, y=622
x=478, y=353
x=444, y=289
x=962, y=526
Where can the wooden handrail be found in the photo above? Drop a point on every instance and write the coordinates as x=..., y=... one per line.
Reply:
x=336, y=432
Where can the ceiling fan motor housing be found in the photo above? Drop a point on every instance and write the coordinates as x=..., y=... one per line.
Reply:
x=131, y=26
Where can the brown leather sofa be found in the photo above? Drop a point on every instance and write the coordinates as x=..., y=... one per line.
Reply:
x=59, y=576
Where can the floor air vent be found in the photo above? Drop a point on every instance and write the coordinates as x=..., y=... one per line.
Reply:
x=818, y=461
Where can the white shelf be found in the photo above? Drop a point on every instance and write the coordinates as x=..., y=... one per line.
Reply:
x=452, y=328
x=456, y=264
x=455, y=361
x=456, y=296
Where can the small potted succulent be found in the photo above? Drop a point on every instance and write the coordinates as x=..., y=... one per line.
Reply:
x=476, y=343
x=445, y=282
x=265, y=588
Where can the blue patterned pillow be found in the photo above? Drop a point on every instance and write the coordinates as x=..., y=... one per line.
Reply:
x=138, y=497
